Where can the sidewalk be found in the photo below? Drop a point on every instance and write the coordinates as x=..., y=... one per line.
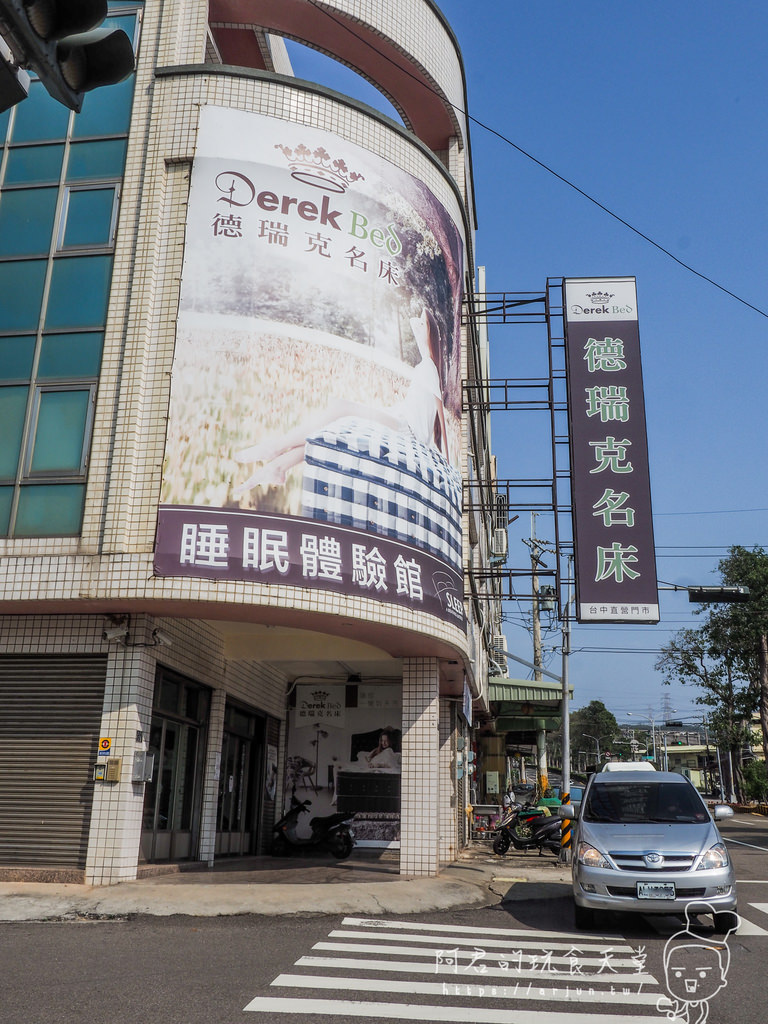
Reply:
x=364, y=884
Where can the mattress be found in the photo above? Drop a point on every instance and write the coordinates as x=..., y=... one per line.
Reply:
x=367, y=476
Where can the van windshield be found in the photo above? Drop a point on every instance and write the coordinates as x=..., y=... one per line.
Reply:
x=643, y=801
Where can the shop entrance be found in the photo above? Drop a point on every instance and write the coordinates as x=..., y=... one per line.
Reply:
x=172, y=799
x=240, y=782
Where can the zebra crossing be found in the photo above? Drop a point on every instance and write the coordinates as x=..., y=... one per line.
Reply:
x=372, y=968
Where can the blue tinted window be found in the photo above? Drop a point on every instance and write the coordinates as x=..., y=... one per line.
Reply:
x=26, y=221
x=13, y=408
x=70, y=355
x=89, y=161
x=89, y=217
x=27, y=164
x=4, y=119
x=39, y=118
x=50, y=510
x=79, y=291
x=61, y=421
x=106, y=111
x=6, y=499
x=21, y=293
x=16, y=356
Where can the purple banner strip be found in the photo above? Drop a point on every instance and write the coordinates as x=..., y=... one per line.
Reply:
x=227, y=544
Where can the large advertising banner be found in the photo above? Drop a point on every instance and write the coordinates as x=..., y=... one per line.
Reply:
x=314, y=428
x=343, y=753
x=611, y=492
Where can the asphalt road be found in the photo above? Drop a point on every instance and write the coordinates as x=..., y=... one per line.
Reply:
x=521, y=961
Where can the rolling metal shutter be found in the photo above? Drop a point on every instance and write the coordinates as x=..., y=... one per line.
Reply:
x=50, y=713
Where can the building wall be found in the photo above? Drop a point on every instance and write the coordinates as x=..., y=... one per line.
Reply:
x=57, y=592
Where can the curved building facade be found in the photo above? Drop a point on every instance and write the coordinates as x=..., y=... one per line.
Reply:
x=235, y=529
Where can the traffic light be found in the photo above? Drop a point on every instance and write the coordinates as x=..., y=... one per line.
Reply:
x=717, y=595
x=60, y=40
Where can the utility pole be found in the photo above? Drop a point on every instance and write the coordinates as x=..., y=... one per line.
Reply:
x=536, y=562
x=565, y=786
x=537, y=658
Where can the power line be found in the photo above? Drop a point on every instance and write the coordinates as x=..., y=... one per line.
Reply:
x=539, y=163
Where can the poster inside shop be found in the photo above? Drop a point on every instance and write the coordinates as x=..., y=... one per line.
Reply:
x=314, y=431
x=344, y=753
x=610, y=480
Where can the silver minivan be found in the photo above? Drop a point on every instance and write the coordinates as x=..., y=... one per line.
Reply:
x=645, y=842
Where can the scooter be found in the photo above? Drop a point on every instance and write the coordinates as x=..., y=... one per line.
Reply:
x=331, y=832
x=528, y=830
x=515, y=816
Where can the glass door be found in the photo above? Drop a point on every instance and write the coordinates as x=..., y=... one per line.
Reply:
x=242, y=755
x=172, y=798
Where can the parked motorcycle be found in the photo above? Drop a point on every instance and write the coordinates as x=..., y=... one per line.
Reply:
x=528, y=829
x=331, y=832
x=515, y=815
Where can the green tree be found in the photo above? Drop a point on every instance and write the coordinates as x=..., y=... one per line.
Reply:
x=756, y=780
x=702, y=657
x=727, y=657
x=748, y=623
x=594, y=720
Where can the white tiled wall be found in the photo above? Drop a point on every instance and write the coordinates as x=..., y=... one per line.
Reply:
x=419, y=815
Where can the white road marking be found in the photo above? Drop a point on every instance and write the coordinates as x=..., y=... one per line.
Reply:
x=763, y=849
x=415, y=967
x=338, y=1008
x=499, y=949
x=571, y=992
x=415, y=926
x=747, y=927
x=532, y=940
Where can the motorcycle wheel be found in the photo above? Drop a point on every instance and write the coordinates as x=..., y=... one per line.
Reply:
x=340, y=844
x=280, y=846
x=501, y=843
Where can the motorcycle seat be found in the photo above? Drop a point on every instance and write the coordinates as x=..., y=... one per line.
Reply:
x=329, y=819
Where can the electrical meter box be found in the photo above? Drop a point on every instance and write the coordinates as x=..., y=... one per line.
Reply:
x=143, y=766
x=107, y=770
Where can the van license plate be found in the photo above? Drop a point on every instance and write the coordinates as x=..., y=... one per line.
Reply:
x=655, y=890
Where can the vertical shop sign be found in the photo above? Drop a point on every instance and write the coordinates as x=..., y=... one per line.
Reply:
x=611, y=494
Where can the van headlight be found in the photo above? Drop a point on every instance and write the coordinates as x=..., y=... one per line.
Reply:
x=591, y=857
x=715, y=857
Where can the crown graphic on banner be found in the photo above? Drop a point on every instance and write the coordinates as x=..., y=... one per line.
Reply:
x=315, y=167
x=599, y=298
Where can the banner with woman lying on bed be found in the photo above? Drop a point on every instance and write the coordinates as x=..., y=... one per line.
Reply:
x=343, y=753
x=314, y=430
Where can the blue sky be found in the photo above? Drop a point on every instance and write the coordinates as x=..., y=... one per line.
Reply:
x=656, y=111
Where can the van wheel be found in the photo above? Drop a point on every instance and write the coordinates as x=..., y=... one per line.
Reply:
x=725, y=921
x=584, y=917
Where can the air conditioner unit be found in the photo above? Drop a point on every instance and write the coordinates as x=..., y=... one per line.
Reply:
x=498, y=645
x=499, y=543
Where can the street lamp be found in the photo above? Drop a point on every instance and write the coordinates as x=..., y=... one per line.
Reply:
x=652, y=720
x=597, y=744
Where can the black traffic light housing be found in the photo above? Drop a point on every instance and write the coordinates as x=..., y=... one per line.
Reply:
x=717, y=595
x=62, y=42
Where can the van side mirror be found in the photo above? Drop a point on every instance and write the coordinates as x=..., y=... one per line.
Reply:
x=566, y=811
x=720, y=811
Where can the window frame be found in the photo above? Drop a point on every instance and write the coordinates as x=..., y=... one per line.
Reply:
x=60, y=229
x=29, y=476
